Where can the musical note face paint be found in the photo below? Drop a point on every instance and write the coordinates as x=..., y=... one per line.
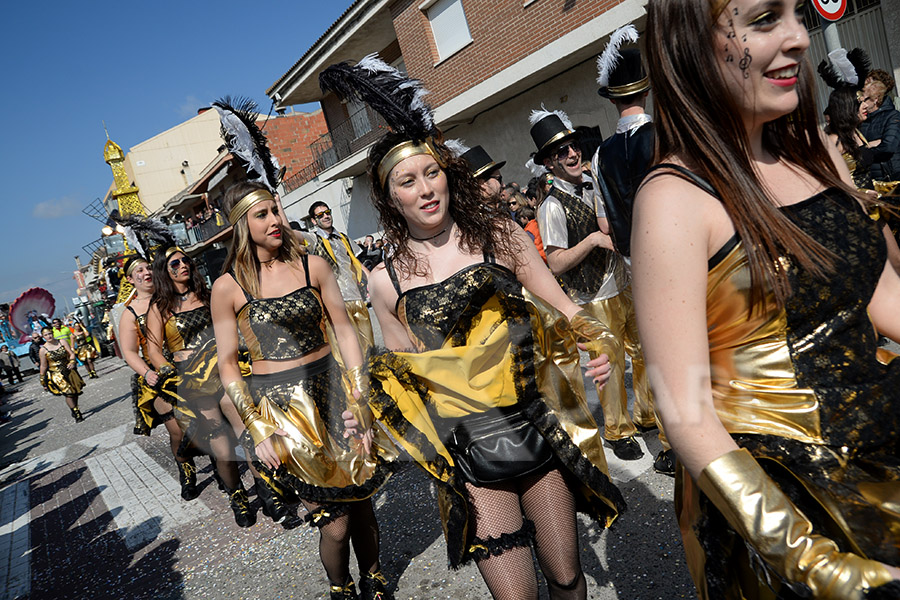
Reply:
x=760, y=46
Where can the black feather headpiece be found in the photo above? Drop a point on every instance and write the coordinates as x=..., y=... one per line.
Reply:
x=393, y=95
x=845, y=69
x=245, y=140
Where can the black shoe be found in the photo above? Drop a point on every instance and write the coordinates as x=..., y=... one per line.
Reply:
x=344, y=592
x=665, y=463
x=626, y=448
x=373, y=586
x=187, y=475
x=93, y=375
x=273, y=505
x=5, y=418
x=240, y=504
x=77, y=415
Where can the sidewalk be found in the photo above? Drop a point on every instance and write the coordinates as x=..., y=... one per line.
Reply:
x=90, y=510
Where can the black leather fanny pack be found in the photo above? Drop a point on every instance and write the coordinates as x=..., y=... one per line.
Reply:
x=498, y=445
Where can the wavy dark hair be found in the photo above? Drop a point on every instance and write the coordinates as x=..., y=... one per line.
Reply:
x=483, y=228
x=843, y=119
x=164, y=293
x=701, y=124
x=242, y=258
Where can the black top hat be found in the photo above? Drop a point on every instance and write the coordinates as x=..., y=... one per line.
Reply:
x=480, y=161
x=547, y=133
x=628, y=77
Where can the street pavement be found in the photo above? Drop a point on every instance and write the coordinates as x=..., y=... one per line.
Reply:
x=90, y=510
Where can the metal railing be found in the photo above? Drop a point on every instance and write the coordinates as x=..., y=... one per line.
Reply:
x=361, y=129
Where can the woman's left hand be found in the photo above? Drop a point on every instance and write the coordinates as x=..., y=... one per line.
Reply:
x=351, y=427
x=599, y=369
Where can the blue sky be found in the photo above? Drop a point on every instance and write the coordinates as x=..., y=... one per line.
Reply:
x=142, y=67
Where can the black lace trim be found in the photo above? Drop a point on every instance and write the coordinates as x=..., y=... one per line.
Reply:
x=888, y=591
x=326, y=513
x=495, y=546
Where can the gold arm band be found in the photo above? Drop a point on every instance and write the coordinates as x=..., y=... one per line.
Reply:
x=259, y=428
x=246, y=203
x=360, y=408
x=767, y=520
x=597, y=336
x=402, y=152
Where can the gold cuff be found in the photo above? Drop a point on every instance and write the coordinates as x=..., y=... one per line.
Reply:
x=597, y=336
x=360, y=408
x=765, y=517
x=259, y=428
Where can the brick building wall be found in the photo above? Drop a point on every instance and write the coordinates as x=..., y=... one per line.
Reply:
x=503, y=32
x=290, y=137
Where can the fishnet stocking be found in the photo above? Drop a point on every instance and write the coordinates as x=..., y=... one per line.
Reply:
x=358, y=524
x=546, y=500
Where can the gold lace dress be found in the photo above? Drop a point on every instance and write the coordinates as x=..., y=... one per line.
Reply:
x=808, y=392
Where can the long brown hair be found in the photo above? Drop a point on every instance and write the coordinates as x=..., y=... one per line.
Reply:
x=242, y=259
x=481, y=227
x=164, y=291
x=702, y=125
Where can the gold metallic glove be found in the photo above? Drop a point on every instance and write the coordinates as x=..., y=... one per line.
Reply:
x=360, y=408
x=258, y=427
x=764, y=516
x=596, y=336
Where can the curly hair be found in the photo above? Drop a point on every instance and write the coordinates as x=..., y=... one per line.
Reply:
x=164, y=293
x=242, y=258
x=482, y=227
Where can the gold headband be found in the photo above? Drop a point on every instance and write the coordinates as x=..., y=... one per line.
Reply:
x=173, y=250
x=133, y=265
x=246, y=203
x=716, y=7
x=403, y=151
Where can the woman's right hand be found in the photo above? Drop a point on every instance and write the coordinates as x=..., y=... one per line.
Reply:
x=265, y=451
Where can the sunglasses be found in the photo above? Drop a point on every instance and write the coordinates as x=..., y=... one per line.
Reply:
x=324, y=213
x=174, y=264
x=563, y=151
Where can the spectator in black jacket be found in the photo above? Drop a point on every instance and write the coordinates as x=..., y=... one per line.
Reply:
x=882, y=126
x=34, y=350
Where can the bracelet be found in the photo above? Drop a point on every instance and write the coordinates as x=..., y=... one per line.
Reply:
x=145, y=373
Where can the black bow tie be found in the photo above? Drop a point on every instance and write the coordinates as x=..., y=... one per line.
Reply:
x=580, y=187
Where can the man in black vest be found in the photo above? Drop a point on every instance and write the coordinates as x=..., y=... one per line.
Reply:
x=619, y=165
x=581, y=255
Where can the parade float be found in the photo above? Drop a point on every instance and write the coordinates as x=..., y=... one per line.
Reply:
x=31, y=311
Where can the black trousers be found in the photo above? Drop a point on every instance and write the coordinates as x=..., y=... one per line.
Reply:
x=12, y=373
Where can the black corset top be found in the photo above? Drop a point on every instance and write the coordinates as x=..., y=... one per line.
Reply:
x=189, y=330
x=445, y=309
x=286, y=327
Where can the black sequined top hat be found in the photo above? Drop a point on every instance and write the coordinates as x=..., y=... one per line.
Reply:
x=621, y=73
x=548, y=129
x=481, y=162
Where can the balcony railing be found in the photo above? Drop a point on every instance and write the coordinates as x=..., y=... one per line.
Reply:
x=361, y=129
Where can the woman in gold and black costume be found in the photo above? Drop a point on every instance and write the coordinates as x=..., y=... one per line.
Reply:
x=150, y=409
x=84, y=348
x=281, y=301
x=760, y=286
x=58, y=374
x=179, y=324
x=481, y=382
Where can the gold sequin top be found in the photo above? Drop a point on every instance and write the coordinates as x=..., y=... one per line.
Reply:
x=808, y=371
x=286, y=327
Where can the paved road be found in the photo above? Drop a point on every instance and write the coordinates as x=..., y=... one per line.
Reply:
x=90, y=510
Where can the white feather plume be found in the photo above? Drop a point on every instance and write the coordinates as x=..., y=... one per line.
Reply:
x=607, y=61
x=538, y=115
x=457, y=146
x=535, y=169
x=134, y=242
x=843, y=66
x=243, y=148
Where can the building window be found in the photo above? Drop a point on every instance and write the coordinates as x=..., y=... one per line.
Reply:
x=448, y=25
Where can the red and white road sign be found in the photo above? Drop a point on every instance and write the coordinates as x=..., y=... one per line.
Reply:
x=831, y=10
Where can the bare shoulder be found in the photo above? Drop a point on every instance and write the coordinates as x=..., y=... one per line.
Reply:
x=224, y=284
x=380, y=283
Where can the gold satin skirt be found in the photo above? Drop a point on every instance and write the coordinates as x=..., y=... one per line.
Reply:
x=63, y=382
x=318, y=463
x=86, y=351
x=142, y=397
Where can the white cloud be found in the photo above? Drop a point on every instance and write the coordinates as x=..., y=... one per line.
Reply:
x=190, y=106
x=56, y=208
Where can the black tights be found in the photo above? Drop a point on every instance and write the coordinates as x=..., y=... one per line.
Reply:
x=546, y=500
x=215, y=428
x=163, y=409
x=351, y=521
